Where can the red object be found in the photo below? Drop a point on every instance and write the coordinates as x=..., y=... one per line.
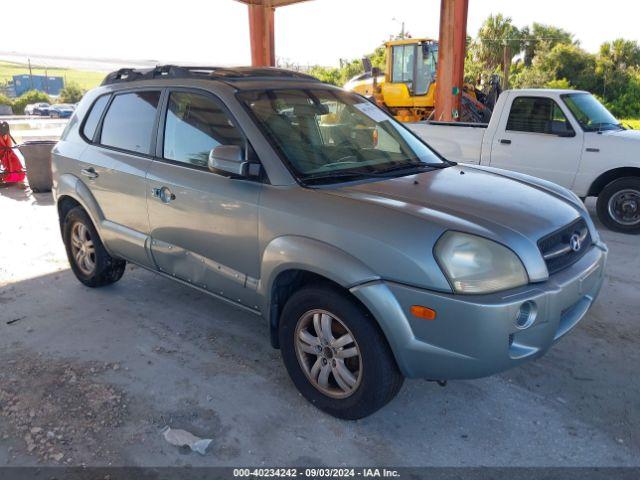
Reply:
x=11, y=169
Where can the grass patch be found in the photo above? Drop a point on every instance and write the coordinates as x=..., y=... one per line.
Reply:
x=87, y=80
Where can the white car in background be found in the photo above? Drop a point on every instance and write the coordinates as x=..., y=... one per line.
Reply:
x=30, y=109
x=564, y=136
x=41, y=108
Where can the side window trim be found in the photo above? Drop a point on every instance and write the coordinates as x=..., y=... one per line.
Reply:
x=530, y=132
x=162, y=121
x=98, y=128
x=98, y=135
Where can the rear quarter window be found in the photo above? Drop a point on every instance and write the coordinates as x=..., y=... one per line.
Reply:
x=130, y=121
x=91, y=123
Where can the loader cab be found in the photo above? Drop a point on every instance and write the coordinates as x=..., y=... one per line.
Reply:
x=413, y=63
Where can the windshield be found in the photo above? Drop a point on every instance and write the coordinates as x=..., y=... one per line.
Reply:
x=330, y=134
x=590, y=113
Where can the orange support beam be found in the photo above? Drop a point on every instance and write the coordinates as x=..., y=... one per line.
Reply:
x=451, y=55
x=261, y=26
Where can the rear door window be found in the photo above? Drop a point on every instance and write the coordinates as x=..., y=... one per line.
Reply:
x=130, y=121
x=91, y=123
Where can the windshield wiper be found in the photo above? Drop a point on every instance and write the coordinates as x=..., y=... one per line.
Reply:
x=337, y=176
x=409, y=166
x=350, y=174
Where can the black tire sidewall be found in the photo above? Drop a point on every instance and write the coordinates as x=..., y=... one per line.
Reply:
x=107, y=269
x=381, y=378
x=602, y=205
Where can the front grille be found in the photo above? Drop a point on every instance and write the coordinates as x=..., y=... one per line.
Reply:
x=559, y=248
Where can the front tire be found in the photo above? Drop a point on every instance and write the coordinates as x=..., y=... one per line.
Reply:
x=618, y=205
x=335, y=353
x=90, y=261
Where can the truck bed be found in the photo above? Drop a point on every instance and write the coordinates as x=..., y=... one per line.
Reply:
x=460, y=142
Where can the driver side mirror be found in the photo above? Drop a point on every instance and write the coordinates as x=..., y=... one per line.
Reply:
x=229, y=159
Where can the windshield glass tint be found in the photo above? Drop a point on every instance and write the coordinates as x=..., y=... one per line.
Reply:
x=590, y=113
x=324, y=131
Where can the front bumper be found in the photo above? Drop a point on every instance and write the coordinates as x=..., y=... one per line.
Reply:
x=476, y=335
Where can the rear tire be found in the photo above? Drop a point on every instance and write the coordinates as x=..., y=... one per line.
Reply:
x=372, y=379
x=618, y=205
x=90, y=261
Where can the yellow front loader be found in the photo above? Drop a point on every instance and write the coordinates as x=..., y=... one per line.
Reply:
x=407, y=86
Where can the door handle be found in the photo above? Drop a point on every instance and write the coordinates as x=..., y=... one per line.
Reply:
x=505, y=141
x=163, y=193
x=593, y=150
x=89, y=173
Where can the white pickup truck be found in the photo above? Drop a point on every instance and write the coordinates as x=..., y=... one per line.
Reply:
x=565, y=136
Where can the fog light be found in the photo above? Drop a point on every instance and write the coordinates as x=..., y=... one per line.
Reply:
x=526, y=315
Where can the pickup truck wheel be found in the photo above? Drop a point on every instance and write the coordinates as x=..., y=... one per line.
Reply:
x=336, y=355
x=89, y=260
x=619, y=205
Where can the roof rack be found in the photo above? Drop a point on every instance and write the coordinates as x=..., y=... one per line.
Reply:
x=212, y=73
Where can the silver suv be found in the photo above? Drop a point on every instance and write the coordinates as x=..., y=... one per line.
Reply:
x=371, y=257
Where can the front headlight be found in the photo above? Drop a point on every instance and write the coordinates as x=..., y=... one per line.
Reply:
x=476, y=265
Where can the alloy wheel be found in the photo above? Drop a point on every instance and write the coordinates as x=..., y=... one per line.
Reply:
x=328, y=353
x=83, y=249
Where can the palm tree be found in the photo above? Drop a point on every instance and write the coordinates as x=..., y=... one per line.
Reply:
x=498, y=42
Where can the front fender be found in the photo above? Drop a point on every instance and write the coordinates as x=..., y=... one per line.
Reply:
x=293, y=252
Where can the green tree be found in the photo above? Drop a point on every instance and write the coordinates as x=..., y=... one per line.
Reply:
x=531, y=77
x=561, y=83
x=572, y=63
x=498, y=42
x=620, y=54
x=326, y=74
x=32, y=96
x=349, y=68
x=379, y=57
x=543, y=38
x=71, y=93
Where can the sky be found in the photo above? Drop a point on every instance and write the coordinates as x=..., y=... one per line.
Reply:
x=216, y=32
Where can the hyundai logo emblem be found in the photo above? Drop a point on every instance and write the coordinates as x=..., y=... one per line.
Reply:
x=575, y=243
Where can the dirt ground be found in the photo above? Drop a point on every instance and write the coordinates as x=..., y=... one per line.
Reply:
x=91, y=377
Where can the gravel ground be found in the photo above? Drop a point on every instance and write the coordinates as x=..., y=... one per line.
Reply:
x=93, y=376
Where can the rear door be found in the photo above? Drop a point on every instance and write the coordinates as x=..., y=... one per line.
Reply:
x=538, y=138
x=121, y=128
x=204, y=225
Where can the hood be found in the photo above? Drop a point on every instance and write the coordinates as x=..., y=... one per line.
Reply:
x=472, y=200
x=626, y=134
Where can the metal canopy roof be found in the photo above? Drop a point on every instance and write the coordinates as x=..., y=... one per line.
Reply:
x=271, y=3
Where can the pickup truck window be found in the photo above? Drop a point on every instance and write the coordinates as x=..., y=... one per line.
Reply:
x=590, y=113
x=195, y=125
x=130, y=121
x=322, y=132
x=538, y=115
